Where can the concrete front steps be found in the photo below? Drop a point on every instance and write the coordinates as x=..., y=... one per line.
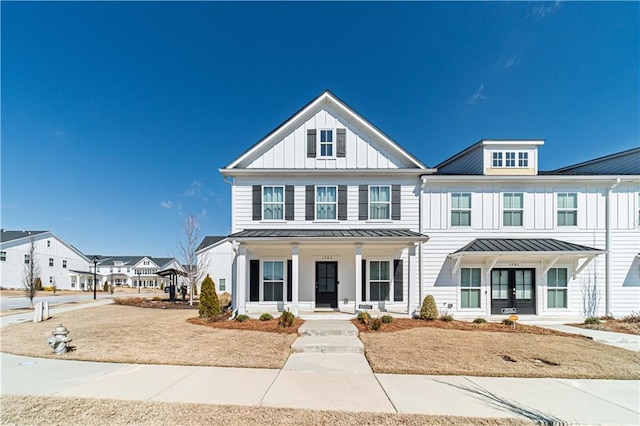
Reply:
x=328, y=337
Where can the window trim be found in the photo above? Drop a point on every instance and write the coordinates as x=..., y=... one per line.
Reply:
x=557, y=288
x=471, y=287
x=282, y=203
x=512, y=209
x=460, y=209
x=512, y=159
x=222, y=282
x=566, y=209
x=333, y=143
x=318, y=203
x=388, y=203
x=389, y=261
x=262, y=280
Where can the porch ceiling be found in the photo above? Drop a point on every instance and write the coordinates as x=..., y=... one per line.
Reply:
x=330, y=235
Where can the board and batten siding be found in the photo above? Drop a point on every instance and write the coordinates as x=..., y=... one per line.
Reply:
x=363, y=150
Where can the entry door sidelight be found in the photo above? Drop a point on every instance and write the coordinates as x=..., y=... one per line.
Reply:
x=513, y=288
x=326, y=284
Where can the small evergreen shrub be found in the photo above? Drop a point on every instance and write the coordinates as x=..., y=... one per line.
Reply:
x=266, y=317
x=105, y=287
x=364, y=317
x=507, y=321
x=429, y=310
x=479, y=321
x=446, y=318
x=592, y=320
x=286, y=319
x=375, y=323
x=387, y=319
x=38, y=284
x=242, y=318
x=209, y=305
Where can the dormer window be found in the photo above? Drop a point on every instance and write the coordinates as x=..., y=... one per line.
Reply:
x=509, y=159
x=326, y=143
x=501, y=159
x=497, y=159
x=523, y=159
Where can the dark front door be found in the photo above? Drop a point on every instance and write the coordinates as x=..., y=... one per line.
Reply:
x=513, y=289
x=326, y=284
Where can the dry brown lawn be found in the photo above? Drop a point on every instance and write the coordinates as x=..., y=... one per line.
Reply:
x=496, y=354
x=50, y=411
x=615, y=325
x=115, y=333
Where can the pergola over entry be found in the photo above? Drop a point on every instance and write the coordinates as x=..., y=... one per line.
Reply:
x=547, y=250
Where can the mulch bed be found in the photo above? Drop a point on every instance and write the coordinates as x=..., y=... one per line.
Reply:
x=400, y=324
x=140, y=302
x=270, y=326
x=616, y=326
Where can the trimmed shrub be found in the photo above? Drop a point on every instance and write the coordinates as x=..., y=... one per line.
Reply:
x=429, y=310
x=266, y=317
x=364, y=318
x=479, y=321
x=387, y=319
x=592, y=320
x=286, y=319
x=446, y=318
x=242, y=318
x=507, y=321
x=375, y=323
x=105, y=287
x=38, y=284
x=209, y=305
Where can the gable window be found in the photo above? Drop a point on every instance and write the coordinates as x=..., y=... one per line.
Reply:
x=48, y=243
x=50, y=280
x=567, y=209
x=273, y=280
x=27, y=259
x=326, y=202
x=222, y=284
x=64, y=263
x=379, y=280
x=50, y=261
x=3, y=256
x=470, y=287
x=512, y=209
x=557, y=288
x=523, y=159
x=326, y=143
x=509, y=159
x=460, y=209
x=497, y=159
x=273, y=202
x=379, y=202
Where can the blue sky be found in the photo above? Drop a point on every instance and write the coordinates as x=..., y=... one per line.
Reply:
x=117, y=116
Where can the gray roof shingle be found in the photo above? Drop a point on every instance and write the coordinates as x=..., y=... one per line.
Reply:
x=523, y=245
x=15, y=235
x=209, y=240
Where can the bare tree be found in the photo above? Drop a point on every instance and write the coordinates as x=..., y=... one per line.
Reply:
x=31, y=272
x=187, y=247
x=590, y=292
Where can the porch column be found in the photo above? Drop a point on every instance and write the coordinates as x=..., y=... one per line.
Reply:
x=358, y=280
x=411, y=280
x=241, y=280
x=294, y=280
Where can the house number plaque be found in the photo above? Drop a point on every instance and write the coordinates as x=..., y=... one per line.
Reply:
x=327, y=257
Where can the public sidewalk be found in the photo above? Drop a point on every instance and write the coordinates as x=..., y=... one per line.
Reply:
x=28, y=316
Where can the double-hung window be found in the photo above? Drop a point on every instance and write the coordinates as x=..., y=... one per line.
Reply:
x=460, y=209
x=222, y=284
x=27, y=259
x=379, y=280
x=470, y=287
x=64, y=263
x=326, y=202
x=51, y=261
x=272, y=202
x=512, y=209
x=3, y=256
x=379, y=202
x=523, y=159
x=326, y=143
x=567, y=209
x=273, y=280
x=557, y=288
x=497, y=159
x=509, y=159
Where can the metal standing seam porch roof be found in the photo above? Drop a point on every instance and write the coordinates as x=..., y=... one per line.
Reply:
x=330, y=234
x=549, y=248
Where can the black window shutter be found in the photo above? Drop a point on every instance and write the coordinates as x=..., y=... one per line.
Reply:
x=254, y=280
x=288, y=202
x=341, y=150
x=310, y=202
x=363, y=202
x=289, y=280
x=342, y=202
x=311, y=143
x=395, y=202
x=257, y=202
x=397, y=280
x=364, y=279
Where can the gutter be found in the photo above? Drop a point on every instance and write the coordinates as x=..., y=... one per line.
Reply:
x=607, y=276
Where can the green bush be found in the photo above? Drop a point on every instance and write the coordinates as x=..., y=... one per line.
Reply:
x=105, y=287
x=446, y=318
x=266, y=317
x=387, y=319
x=592, y=320
x=286, y=319
x=209, y=305
x=375, y=323
x=507, y=321
x=242, y=318
x=429, y=310
x=364, y=317
x=479, y=321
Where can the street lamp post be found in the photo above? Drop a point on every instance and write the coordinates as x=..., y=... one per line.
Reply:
x=138, y=272
x=95, y=284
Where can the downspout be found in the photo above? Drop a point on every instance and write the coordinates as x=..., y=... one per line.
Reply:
x=423, y=183
x=607, y=255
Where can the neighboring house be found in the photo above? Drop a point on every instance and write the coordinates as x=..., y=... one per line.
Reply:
x=60, y=263
x=330, y=213
x=134, y=271
x=216, y=255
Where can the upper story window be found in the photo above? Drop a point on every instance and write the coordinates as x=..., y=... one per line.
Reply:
x=27, y=259
x=509, y=159
x=3, y=256
x=379, y=202
x=146, y=262
x=273, y=202
x=327, y=148
x=222, y=284
x=567, y=209
x=64, y=263
x=460, y=209
x=497, y=159
x=523, y=159
x=512, y=209
x=118, y=263
x=48, y=243
x=50, y=261
x=326, y=202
